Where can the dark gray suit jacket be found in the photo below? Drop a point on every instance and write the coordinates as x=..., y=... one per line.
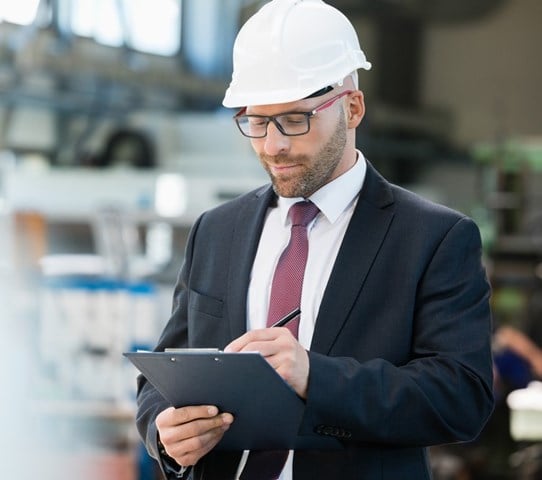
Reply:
x=400, y=358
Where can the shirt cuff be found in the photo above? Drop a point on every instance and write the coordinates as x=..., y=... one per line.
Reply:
x=171, y=467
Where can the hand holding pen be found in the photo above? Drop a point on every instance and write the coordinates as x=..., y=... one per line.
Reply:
x=281, y=349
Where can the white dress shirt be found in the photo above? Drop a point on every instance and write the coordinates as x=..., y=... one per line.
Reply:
x=336, y=201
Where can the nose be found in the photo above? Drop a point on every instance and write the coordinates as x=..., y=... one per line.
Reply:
x=275, y=142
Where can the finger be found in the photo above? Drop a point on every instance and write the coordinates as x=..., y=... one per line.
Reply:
x=173, y=434
x=178, y=416
x=187, y=451
x=200, y=427
x=191, y=450
x=282, y=342
x=243, y=343
x=191, y=413
x=265, y=348
x=240, y=343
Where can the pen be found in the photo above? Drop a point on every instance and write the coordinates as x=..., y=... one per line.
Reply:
x=284, y=320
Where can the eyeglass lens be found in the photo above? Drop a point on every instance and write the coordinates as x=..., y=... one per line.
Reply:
x=288, y=124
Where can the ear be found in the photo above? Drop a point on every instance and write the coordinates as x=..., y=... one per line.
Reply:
x=355, y=108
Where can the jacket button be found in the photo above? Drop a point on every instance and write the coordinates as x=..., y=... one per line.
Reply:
x=324, y=430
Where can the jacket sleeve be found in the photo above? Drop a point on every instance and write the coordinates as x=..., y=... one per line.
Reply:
x=443, y=393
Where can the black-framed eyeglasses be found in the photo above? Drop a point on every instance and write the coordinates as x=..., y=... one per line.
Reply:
x=290, y=124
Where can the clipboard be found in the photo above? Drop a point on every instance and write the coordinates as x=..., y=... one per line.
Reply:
x=267, y=411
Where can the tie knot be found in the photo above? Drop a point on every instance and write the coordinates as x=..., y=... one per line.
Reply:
x=301, y=213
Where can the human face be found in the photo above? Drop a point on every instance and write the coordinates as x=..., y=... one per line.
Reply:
x=298, y=166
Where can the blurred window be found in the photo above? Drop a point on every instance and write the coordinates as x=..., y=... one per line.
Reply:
x=21, y=12
x=150, y=26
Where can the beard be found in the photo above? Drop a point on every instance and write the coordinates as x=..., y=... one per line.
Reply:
x=315, y=172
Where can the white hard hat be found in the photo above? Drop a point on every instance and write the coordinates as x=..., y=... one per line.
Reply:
x=290, y=49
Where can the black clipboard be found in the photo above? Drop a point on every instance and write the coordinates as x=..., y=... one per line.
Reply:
x=266, y=409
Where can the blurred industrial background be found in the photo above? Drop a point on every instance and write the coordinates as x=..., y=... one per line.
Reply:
x=113, y=139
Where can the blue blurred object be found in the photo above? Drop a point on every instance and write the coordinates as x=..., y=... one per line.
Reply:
x=146, y=464
x=513, y=369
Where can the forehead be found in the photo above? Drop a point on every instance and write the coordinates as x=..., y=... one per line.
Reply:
x=274, y=109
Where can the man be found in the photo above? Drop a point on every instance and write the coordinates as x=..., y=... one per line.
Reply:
x=392, y=350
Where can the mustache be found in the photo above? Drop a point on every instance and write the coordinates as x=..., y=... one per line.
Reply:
x=282, y=159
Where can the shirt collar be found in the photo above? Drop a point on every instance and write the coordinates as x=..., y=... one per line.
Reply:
x=334, y=197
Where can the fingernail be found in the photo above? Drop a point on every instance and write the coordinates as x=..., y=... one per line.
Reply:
x=227, y=419
x=212, y=410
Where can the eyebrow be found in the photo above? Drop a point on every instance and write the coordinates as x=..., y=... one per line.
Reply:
x=292, y=110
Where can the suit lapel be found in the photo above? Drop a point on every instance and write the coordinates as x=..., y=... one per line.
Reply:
x=364, y=235
x=246, y=236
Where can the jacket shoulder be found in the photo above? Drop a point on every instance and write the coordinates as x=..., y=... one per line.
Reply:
x=232, y=206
